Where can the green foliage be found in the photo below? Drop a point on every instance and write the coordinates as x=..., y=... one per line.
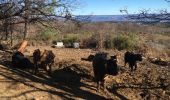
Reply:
x=109, y=43
x=122, y=41
x=49, y=33
x=71, y=38
x=51, y=9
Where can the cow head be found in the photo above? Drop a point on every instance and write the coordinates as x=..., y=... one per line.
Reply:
x=90, y=57
x=139, y=57
x=113, y=57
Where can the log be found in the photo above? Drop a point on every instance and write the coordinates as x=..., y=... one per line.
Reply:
x=23, y=46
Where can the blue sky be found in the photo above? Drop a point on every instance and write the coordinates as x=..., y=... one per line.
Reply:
x=112, y=7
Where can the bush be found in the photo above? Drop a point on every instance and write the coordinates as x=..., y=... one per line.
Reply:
x=49, y=33
x=90, y=42
x=121, y=42
x=109, y=42
x=69, y=39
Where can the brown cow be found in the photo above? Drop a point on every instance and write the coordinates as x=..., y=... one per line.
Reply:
x=44, y=60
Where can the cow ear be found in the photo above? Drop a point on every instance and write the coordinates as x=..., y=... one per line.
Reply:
x=45, y=50
x=39, y=50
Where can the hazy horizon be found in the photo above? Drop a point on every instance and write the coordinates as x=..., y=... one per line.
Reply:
x=113, y=7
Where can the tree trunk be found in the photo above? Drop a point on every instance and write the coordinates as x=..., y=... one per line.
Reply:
x=25, y=30
x=11, y=28
x=6, y=28
x=26, y=18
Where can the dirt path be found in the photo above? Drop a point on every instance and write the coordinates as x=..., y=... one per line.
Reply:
x=72, y=79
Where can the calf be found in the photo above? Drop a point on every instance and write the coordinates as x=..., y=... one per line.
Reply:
x=112, y=67
x=131, y=59
x=36, y=59
x=44, y=61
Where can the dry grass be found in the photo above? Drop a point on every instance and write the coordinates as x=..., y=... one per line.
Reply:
x=72, y=78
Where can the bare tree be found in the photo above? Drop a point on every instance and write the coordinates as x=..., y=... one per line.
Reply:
x=150, y=16
x=145, y=15
x=35, y=11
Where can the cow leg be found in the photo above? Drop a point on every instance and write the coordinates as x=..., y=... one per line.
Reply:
x=102, y=85
x=46, y=68
x=135, y=66
x=98, y=87
x=125, y=64
x=49, y=69
x=131, y=67
x=35, y=68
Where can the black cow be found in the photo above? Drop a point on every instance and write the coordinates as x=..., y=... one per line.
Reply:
x=99, y=68
x=132, y=58
x=47, y=60
x=102, y=66
x=20, y=61
x=36, y=59
x=112, y=67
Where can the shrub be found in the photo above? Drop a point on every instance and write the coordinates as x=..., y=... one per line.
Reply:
x=69, y=39
x=49, y=33
x=121, y=42
x=90, y=42
x=108, y=42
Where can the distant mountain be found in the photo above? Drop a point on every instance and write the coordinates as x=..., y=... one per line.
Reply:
x=117, y=18
x=102, y=18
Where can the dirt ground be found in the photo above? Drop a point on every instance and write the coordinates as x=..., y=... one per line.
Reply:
x=73, y=79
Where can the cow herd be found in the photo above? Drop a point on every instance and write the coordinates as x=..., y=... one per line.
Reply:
x=102, y=65
x=43, y=60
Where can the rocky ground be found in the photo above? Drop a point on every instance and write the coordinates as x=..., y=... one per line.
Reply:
x=73, y=79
